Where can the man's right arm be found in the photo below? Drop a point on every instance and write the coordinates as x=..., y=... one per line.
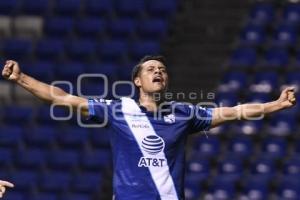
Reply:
x=43, y=91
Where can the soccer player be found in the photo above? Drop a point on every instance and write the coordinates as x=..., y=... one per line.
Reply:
x=3, y=185
x=148, y=135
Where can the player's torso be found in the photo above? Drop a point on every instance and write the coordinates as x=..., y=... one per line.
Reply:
x=147, y=149
x=150, y=133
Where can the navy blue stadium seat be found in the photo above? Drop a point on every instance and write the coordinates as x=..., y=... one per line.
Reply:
x=20, y=114
x=124, y=90
x=41, y=136
x=297, y=147
x=25, y=180
x=262, y=13
x=198, y=170
x=254, y=97
x=152, y=29
x=274, y=148
x=63, y=159
x=291, y=14
x=293, y=78
x=44, y=117
x=93, y=89
x=220, y=129
x=142, y=48
x=276, y=58
x=250, y=127
x=73, y=137
x=50, y=49
x=35, y=7
x=15, y=195
x=44, y=196
x=233, y=81
x=122, y=27
x=240, y=147
x=96, y=7
x=59, y=27
x=112, y=50
x=289, y=188
x=252, y=35
x=55, y=181
x=90, y=27
x=230, y=169
x=263, y=169
x=222, y=189
x=81, y=50
x=69, y=71
x=267, y=77
x=282, y=125
x=243, y=57
x=6, y=156
x=191, y=191
x=297, y=60
x=207, y=147
x=255, y=189
x=264, y=82
x=11, y=136
x=107, y=68
x=131, y=8
x=67, y=7
x=76, y=196
x=96, y=160
x=159, y=8
x=87, y=182
x=18, y=49
x=284, y=36
x=226, y=99
x=9, y=7
x=33, y=158
x=291, y=166
x=124, y=71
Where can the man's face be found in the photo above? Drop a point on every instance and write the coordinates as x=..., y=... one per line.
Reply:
x=153, y=77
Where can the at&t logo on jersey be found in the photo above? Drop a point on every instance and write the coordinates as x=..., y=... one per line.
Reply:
x=152, y=145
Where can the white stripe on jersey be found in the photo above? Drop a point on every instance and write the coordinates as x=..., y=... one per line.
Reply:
x=161, y=175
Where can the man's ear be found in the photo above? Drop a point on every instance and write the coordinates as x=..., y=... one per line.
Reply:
x=137, y=82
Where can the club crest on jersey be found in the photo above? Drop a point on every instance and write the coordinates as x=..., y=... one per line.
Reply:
x=169, y=118
x=152, y=145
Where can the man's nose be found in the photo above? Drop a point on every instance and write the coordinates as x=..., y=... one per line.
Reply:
x=157, y=71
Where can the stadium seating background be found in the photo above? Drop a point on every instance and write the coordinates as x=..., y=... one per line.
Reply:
x=254, y=159
x=60, y=39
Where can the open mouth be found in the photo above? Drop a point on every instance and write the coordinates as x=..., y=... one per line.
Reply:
x=157, y=79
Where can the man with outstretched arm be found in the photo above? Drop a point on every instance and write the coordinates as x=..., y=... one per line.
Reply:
x=148, y=135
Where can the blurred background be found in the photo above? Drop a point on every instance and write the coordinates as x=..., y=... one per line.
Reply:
x=242, y=51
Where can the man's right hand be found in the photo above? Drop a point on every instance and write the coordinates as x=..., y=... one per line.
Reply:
x=11, y=70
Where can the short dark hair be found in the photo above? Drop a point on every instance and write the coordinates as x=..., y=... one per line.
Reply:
x=136, y=70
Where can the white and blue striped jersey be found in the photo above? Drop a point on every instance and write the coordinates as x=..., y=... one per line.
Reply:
x=149, y=148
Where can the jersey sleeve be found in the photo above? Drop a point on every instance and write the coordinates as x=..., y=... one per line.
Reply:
x=98, y=109
x=201, y=118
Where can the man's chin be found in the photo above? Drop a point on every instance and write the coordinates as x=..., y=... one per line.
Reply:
x=159, y=89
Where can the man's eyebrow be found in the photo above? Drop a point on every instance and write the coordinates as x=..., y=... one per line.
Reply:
x=151, y=66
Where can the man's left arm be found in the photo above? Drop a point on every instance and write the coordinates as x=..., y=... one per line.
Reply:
x=253, y=111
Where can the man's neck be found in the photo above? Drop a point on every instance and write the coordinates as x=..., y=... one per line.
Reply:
x=150, y=101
